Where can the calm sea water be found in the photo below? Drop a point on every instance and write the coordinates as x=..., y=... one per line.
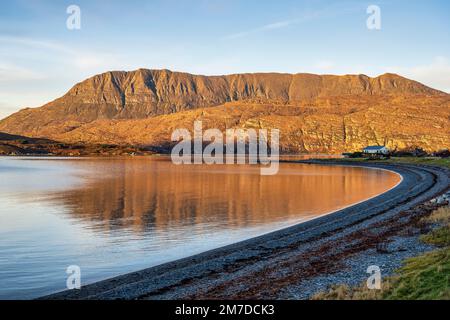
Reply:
x=112, y=216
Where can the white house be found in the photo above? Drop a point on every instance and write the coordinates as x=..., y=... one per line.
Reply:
x=376, y=150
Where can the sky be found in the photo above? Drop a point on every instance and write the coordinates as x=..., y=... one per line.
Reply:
x=41, y=58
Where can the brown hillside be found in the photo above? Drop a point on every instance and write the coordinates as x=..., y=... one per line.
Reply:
x=315, y=113
x=314, y=128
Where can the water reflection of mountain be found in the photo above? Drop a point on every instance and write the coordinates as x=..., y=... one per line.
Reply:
x=145, y=195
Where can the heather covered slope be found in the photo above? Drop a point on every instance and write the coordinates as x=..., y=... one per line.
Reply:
x=312, y=128
x=314, y=113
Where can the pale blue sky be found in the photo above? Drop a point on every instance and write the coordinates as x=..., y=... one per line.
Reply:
x=40, y=59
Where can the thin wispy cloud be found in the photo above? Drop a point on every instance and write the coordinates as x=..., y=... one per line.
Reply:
x=10, y=72
x=38, y=53
x=59, y=67
x=434, y=74
x=267, y=27
x=39, y=44
x=331, y=10
x=6, y=109
x=77, y=57
x=324, y=65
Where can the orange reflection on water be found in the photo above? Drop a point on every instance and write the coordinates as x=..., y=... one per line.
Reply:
x=153, y=193
x=112, y=216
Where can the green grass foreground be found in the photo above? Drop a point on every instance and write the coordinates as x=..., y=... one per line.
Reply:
x=431, y=161
x=426, y=277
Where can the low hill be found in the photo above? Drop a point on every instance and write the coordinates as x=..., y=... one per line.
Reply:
x=315, y=113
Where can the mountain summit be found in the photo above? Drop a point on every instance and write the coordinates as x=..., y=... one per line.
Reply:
x=113, y=99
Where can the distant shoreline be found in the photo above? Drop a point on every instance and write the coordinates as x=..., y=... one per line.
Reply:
x=258, y=268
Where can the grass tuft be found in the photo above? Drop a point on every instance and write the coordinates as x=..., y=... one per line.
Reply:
x=426, y=277
x=441, y=215
x=431, y=161
x=439, y=236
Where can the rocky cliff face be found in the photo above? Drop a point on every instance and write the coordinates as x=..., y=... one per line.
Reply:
x=319, y=113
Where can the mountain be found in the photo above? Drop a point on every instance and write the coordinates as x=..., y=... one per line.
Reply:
x=315, y=113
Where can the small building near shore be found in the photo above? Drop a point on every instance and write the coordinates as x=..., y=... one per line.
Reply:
x=376, y=150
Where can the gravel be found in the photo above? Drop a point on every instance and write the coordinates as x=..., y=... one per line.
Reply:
x=295, y=262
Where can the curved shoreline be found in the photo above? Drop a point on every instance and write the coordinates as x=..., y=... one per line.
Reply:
x=350, y=205
x=262, y=267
